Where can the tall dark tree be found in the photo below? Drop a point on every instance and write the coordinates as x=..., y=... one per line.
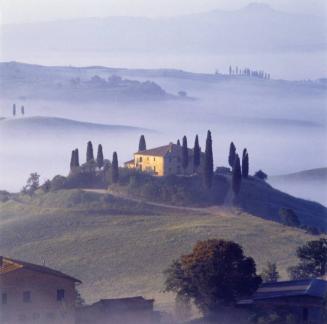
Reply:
x=232, y=154
x=245, y=163
x=100, y=157
x=114, y=168
x=196, y=153
x=237, y=175
x=142, y=144
x=76, y=158
x=270, y=273
x=72, y=160
x=184, y=153
x=215, y=274
x=208, y=163
x=22, y=110
x=313, y=260
x=178, y=142
x=230, y=70
x=14, y=110
x=89, y=152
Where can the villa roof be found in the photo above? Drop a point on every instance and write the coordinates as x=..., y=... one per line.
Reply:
x=162, y=150
x=8, y=265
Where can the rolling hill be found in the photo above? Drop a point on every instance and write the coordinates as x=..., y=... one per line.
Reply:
x=119, y=247
x=37, y=125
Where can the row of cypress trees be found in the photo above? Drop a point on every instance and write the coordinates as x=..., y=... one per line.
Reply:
x=74, y=161
x=238, y=172
x=14, y=110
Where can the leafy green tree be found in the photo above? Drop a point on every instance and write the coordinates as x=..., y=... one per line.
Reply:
x=216, y=273
x=89, y=152
x=236, y=176
x=196, y=153
x=114, y=168
x=142, y=144
x=313, y=260
x=288, y=217
x=184, y=153
x=245, y=164
x=32, y=184
x=100, y=157
x=232, y=154
x=270, y=273
x=208, y=164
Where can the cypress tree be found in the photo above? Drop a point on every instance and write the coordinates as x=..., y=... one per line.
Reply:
x=14, y=110
x=237, y=175
x=115, y=169
x=72, y=160
x=89, y=152
x=208, y=165
x=232, y=154
x=184, y=153
x=196, y=153
x=100, y=156
x=76, y=158
x=245, y=164
x=22, y=109
x=142, y=144
x=178, y=142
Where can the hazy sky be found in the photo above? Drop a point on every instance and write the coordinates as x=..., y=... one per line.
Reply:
x=16, y=11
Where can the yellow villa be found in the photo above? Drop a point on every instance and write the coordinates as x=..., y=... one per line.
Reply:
x=164, y=160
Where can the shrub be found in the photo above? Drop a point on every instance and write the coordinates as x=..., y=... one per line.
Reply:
x=261, y=175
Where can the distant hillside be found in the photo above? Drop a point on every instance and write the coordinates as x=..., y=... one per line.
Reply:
x=254, y=28
x=120, y=248
x=319, y=175
x=27, y=82
x=308, y=184
x=56, y=126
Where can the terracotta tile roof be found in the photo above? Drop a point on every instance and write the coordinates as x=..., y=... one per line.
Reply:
x=162, y=150
x=9, y=265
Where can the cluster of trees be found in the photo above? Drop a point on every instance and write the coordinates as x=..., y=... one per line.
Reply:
x=14, y=110
x=98, y=162
x=238, y=171
x=208, y=171
x=249, y=73
x=216, y=274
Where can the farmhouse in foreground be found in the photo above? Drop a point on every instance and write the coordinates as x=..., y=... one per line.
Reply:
x=165, y=160
x=34, y=293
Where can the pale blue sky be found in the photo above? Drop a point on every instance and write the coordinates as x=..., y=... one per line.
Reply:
x=17, y=11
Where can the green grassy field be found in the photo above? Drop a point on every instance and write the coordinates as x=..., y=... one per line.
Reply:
x=120, y=248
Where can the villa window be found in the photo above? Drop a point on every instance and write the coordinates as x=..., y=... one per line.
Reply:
x=60, y=294
x=4, y=299
x=140, y=159
x=27, y=297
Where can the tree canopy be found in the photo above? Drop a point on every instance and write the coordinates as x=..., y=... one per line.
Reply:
x=216, y=273
x=270, y=273
x=142, y=144
x=312, y=260
x=196, y=153
x=236, y=176
x=184, y=153
x=232, y=154
x=89, y=152
x=208, y=164
x=114, y=168
x=100, y=157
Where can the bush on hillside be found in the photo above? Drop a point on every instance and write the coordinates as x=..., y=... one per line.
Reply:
x=288, y=217
x=261, y=175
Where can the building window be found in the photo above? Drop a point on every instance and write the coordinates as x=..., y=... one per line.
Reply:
x=27, y=297
x=154, y=159
x=154, y=169
x=36, y=316
x=51, y=316
x=60, y=294
x=140, y=159
x=4, y=299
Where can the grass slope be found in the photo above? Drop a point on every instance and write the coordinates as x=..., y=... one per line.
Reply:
x=120, y=248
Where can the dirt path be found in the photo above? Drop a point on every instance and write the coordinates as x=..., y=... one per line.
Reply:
x=151, y=203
